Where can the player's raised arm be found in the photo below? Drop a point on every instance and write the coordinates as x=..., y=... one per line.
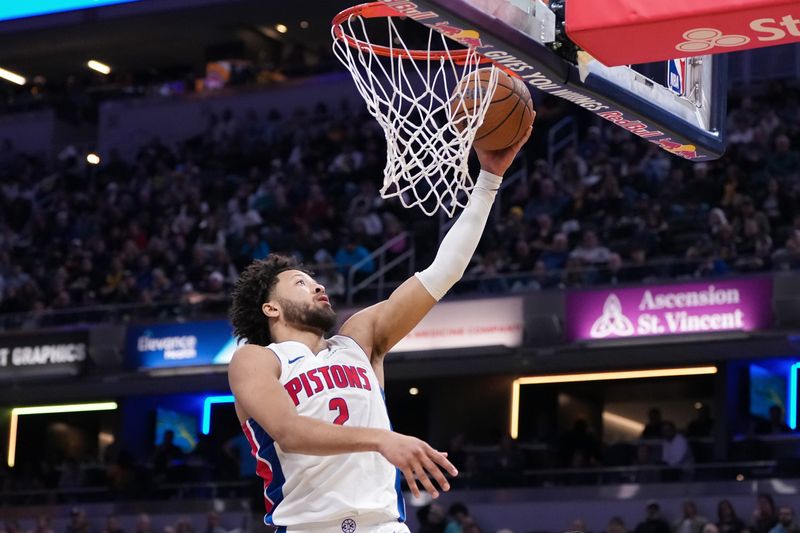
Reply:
x=379, y=327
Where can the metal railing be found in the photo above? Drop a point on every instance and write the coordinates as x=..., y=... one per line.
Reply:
x=562, y=134
x=385, y=265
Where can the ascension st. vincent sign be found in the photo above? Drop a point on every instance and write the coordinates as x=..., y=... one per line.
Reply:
x=719, y=305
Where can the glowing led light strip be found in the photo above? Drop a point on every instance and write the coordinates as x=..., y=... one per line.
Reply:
x=623, y=421
x=97, y=66
x=12, y=77
x=16, y=412
x=792, y=401
x=207, y=403
x=596, y=376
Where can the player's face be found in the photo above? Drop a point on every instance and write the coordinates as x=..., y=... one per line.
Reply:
x=303, y=301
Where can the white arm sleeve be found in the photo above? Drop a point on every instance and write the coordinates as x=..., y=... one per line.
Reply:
x=460, y=242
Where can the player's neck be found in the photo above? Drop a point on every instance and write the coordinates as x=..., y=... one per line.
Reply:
x=313, y=339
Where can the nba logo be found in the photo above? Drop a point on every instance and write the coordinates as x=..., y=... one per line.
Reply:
x=676, y=76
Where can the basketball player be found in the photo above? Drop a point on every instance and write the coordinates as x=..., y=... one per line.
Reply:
x=313, y=408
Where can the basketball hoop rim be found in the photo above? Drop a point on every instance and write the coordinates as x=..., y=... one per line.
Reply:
x=372, y=10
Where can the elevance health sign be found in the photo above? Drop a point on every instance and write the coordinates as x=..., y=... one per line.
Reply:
x=718, y=305
x=182, y=344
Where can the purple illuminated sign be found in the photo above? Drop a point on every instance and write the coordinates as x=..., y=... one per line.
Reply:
x=720, y=305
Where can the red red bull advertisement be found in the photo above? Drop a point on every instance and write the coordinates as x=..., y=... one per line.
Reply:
x=679, y=28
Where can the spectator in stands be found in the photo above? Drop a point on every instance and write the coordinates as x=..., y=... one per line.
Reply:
x=254, y=247
x=166, y=454
x=690, y=522
x=431, y=518
x=71, y=475
x=775, y=424
x=522, y=256
x=12, y=526
x=113, y=525
x=184, y=525
x=352, y=253
x=702, y=424
x=458, y=518
x=143, y=524
x=578, y=446
x=78, y=523
x=646, y=458
x=654, y=429
x=717, y=221
x=555, y=257
x=784, y=162
x=764, y=517
x=538, y=278
x=590, y=251
x=750, y=223
x=455, y=451
x=760, y=257
x=788, y=257
x=727, y=520
x=509, y=462
x=653, y=522
x=637, y=268
x=548, y=201
x=239, y=450
x=43, y=524
x=675, y=450
x=616, y=525
x=613, y=273
x=570, y=169
x=578, y=525
x=488, y=270
x=471, y=527
x=786, y=523
x=213, y=521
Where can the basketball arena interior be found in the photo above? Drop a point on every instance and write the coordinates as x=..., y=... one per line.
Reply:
x=621, y=354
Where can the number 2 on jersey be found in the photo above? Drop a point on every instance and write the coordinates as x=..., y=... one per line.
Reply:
x=338, y=404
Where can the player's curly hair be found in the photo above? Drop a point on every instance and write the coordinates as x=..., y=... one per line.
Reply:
x=251, y=290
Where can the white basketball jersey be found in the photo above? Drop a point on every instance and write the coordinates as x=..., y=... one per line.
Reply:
x=336, y=385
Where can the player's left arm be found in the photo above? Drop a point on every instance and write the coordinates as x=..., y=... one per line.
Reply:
x=379, y=327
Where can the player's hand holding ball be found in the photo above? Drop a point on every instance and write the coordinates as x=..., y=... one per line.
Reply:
x=507, y=123
x=498, y=161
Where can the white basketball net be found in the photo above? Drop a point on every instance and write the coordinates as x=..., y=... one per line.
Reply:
x=415, y=101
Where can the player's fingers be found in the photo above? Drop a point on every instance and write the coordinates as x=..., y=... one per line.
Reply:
x=441, y=459
x=437, y=474
x=524, y=138
x=412, y=483
x=423, y=478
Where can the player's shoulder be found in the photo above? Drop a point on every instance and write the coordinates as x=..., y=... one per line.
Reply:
x=249, y=356
x=250, y=350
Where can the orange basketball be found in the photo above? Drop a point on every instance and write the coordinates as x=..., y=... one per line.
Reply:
x=509, y=115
